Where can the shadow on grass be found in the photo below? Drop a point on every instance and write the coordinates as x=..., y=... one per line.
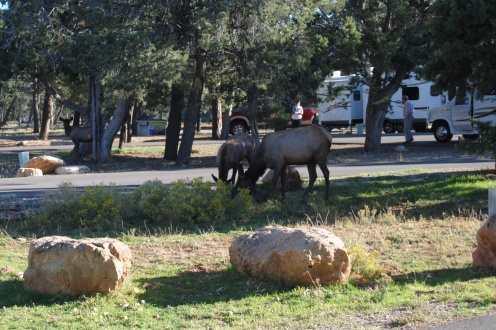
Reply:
x=12, y=294
x=204, y=287
x=442, y=276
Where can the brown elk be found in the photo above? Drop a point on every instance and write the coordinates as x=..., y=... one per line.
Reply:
x=231, y=155
x=299, y=146
x=77, y=134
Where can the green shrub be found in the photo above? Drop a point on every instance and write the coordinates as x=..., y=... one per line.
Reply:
x=196, y=202
x=364, y=263
x=101, y=208
x=96, y=208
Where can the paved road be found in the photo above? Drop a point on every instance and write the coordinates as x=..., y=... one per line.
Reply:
x=32, y=186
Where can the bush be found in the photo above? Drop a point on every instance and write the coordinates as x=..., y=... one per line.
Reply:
x=96, y=208
x=102, y=208
x=191, y=202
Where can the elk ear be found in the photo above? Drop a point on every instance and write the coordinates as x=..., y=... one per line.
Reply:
x=215, y=179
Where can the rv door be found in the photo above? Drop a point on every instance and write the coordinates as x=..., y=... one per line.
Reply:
x=461, y=112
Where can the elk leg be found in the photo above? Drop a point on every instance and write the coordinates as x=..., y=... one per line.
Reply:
x=233, y=177
x=312, y=175
x=325, y=171
x=277, y=174
x=283, y=180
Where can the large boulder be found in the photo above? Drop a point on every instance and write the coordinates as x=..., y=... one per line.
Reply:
x=75, y=169
x=306, y=257
x=485, y=254
x=47, y=164
x=58, y=264
x=293, y=180
x=25, y=172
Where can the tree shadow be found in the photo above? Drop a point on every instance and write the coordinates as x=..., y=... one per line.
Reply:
x=200, y=286
x=447, y=275
x=13, y=294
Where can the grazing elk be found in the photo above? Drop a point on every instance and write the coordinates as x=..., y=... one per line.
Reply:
x=231, y=155
x=299, y=146
x=77, y=134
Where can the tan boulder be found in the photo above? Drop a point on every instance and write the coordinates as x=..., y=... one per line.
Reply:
x=47, y=164
x=485, y=253
x=293, y=180
x=76, y=169
x=303, y=256
x=25, y=172
x=58, y=264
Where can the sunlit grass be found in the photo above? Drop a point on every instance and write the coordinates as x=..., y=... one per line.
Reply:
x=411, y=232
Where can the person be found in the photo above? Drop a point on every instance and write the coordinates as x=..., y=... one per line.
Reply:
x=297, y=115
x=407, y=119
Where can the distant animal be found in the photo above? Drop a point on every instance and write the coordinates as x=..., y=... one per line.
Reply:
x=231, y=154
x=299, y=146
x=77, y=134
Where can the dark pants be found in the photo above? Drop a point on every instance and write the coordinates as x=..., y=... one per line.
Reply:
x=296, y=122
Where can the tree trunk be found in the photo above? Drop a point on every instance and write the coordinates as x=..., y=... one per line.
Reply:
x=57, y=116
x=253, y=113
x=130, y=114
x=9, y=110
x=35, y=107
x=216, y=119
x=46, y=116
x=194, y=106
x=227, y=118
x=95, y=93
x=378, y=104
x=112, y=129
x=174, y=123
x=126, y=131
x=374, y=118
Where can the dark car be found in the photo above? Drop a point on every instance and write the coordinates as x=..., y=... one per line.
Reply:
x=240, y=123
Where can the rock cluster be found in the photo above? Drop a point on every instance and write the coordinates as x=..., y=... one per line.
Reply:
x=39, y=166
x=47, y=164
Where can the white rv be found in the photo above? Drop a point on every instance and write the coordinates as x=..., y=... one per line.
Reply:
x=349, y=108
x=345, y=110
x=457, y=115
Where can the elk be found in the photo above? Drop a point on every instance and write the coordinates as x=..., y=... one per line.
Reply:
x=231, y=155
x=77, y=134
x=299, y=146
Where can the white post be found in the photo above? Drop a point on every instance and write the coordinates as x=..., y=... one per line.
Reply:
x=23, y=157
x=491, y=210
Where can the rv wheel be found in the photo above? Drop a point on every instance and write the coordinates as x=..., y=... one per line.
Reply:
x=442, y=132
x=388, y=127
x=400, y=128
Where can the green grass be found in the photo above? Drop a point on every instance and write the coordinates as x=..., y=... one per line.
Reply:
x=414, y=229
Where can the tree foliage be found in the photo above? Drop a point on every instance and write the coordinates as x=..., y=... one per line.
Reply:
x=462, y=51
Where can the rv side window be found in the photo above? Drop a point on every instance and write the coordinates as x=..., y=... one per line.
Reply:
x=412, y=93
x=356, y=95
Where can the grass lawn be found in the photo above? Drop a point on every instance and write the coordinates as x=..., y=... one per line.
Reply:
x=410, y=235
